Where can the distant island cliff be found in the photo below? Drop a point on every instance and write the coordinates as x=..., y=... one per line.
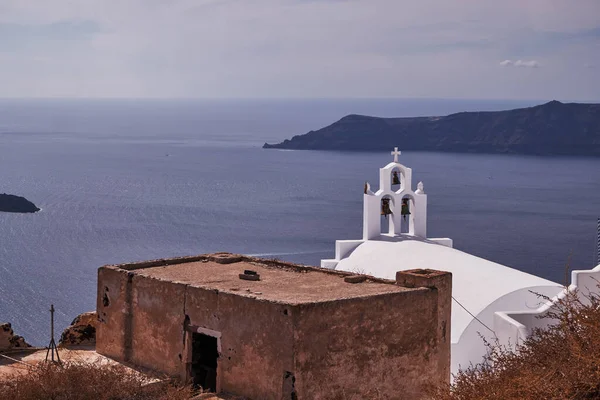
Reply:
x=553, y=128
x=16, y=204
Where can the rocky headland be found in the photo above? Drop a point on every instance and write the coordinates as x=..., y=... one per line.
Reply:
x=8, y=339
x=81, y=332
x=16, y=204
x=553, y=128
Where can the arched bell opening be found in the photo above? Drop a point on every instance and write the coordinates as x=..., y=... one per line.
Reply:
x=407, y=216
x=387, y=215
x=397, y=179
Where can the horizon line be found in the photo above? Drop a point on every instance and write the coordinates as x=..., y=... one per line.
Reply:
x=291, y=98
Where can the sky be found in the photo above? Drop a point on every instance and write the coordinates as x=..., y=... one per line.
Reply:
x=500, y=49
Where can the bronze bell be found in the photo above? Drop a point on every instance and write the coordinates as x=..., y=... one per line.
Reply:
x=405, y=209
x=395, y=178
x=385, y=207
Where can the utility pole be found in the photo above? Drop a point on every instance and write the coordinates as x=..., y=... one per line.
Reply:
x=52, y=346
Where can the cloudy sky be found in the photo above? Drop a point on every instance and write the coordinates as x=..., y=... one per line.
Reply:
x=501, y=49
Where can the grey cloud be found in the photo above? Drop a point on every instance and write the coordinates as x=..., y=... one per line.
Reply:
x=520, y=63
x=287, y=48
x=55, y=30
x=30, y=37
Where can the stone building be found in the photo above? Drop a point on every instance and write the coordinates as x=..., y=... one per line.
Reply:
x=265, y=329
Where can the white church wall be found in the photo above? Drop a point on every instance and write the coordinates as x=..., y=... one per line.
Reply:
x=343, y=248
x=442, y=241
x=470, y=346
x=420, y=215
x=371, y=216
x=329, y=263
x=509, y=332
x=513, y=327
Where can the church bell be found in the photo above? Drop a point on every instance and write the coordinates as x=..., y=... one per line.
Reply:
x=395, y=178
x=385, y=207
x=405, y=209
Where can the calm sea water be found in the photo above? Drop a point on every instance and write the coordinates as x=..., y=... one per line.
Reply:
x=121, y=181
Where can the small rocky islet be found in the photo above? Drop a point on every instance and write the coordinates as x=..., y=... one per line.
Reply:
x=16, y=204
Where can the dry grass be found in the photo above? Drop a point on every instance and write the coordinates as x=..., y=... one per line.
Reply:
x=559, y=362
x=84, y=381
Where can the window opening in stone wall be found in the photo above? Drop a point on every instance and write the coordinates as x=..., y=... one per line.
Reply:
x=204, y=361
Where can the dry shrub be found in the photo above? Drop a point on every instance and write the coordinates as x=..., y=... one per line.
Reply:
x=84, y=381
x=561, y=361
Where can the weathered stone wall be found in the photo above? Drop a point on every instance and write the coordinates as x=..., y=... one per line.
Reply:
x=140, y=320
x=380, y=347
x=440, y=282
x=157, y=324
x=112, y=308
x=143, y=321
x=8, y=339
x=256, y=341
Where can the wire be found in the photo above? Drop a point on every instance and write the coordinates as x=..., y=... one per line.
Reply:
x=15, y=360
x=471, y=314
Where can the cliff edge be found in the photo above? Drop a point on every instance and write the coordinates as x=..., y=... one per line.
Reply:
x=81, y=332
x=8, y=339
x=553, y=128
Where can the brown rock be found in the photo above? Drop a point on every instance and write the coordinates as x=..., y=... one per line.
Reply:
x=82, y=331
x=8, y=339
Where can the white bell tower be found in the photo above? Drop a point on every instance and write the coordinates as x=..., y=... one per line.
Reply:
x=405, y=209
x=404, y=203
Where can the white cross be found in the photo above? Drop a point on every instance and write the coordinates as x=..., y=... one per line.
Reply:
x=396, y=153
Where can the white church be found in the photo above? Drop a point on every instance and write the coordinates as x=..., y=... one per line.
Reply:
x=488, y=299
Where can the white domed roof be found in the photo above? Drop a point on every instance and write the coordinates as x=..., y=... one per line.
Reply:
x=476, y=282
x=479, y=287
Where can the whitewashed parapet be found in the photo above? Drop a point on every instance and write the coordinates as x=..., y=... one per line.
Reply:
x=513, y=327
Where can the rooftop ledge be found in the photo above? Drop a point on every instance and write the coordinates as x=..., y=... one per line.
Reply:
x=267, y=279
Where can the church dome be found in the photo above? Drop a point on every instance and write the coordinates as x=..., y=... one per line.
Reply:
x=479, y=287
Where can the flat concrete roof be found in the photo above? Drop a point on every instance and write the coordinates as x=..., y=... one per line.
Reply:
x=279, y=281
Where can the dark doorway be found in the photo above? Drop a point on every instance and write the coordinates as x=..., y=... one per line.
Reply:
x=204, y=361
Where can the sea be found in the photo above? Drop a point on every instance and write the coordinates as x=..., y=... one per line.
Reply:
x=127, y=180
